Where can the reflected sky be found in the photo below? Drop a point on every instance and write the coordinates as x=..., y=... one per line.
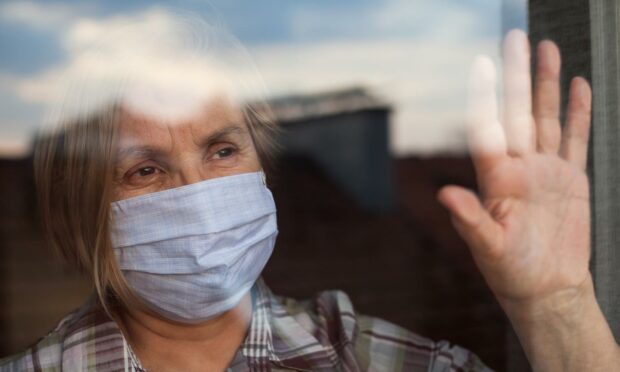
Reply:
x=414, y=53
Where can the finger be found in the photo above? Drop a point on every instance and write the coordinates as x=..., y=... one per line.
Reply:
x=475, y=225
x=578, y=117
x=485, y=134
x=547, y=98
x=518, y=120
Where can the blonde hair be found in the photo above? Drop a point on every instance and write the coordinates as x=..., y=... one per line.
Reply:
x=74, y=179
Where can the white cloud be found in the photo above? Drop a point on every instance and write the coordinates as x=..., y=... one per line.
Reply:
x=415, y=53
x=38, y=15
x=402, y=19
x=425, y=80
x=155, y=61
x=425, y=77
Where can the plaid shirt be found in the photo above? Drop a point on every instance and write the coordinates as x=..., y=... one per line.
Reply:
x=324, y=334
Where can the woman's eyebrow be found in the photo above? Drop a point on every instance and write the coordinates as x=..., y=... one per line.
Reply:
x=222, y=134
x=140, y=152
x=147, y=151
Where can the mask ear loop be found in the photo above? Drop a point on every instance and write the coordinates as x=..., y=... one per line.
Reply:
x=263, y=177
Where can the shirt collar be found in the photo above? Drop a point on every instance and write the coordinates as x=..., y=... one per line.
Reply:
x=275, y=335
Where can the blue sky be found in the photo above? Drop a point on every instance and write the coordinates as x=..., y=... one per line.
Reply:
x=415, y=53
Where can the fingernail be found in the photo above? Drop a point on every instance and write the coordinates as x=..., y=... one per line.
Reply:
x=580, y=88
x=516, y=46
x=548, y=59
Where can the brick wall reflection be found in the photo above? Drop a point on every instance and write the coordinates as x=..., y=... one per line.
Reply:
x=406, y=265
x=36, y=290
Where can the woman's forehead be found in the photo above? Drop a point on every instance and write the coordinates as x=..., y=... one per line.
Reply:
x=212, y=116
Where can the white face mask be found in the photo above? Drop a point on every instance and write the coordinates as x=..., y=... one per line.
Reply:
x=193, y=252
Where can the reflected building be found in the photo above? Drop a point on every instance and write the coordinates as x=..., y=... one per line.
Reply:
x=346, y=134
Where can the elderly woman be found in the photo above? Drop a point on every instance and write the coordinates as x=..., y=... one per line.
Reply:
x=169, y=212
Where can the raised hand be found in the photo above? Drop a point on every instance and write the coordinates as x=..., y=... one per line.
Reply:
x=529, y=231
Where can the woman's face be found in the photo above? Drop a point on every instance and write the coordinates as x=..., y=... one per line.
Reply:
x=154, y=156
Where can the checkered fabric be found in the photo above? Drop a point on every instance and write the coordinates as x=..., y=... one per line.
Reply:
x=321, y=334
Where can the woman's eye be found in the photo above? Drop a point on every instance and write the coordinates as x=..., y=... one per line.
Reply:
x=143, y=174
x=146, y=171
x=224, y=153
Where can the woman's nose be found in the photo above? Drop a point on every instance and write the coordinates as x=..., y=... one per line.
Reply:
x=191, y=172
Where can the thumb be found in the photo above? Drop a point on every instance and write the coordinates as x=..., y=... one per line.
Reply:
x=472, y=221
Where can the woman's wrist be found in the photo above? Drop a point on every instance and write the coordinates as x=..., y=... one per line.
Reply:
x=567, y=305
x=564, y=331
